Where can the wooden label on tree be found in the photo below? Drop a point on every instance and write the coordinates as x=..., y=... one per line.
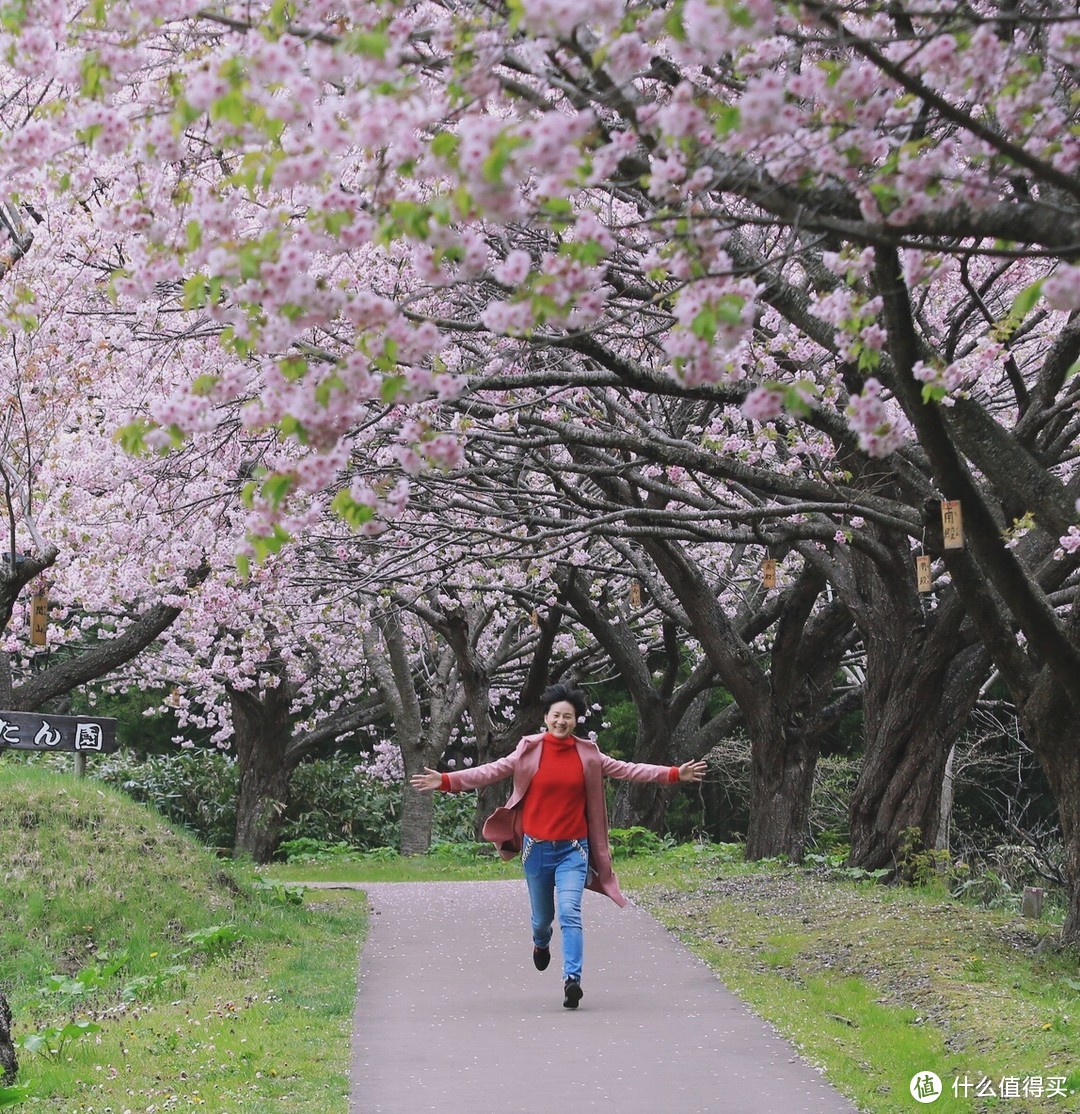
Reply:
x=39, y=620
x=923, y=574
x=635, y=594
x=952, y=525
x=768, y=573
x=534, y=618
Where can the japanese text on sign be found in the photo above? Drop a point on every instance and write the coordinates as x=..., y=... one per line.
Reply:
x=31, y=731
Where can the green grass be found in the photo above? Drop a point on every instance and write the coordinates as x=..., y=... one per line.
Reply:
x=226, y=997
x=876, y=985
x=467, y=867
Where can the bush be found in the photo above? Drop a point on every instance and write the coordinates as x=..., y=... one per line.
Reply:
x=332, y=802
x=332, y=805
x=195, y=789
x=627, y=842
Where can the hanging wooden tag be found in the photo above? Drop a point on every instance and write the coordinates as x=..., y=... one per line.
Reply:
x=952, y=524
x=768, y=573
x=635, y=594
x=534, y=618
x=39, y=620
x=923, y=574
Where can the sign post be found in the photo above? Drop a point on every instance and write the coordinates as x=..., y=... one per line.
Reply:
x=36, y=731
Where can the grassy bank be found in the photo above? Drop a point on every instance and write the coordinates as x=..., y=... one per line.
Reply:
x=877, y=985
x=146, y=975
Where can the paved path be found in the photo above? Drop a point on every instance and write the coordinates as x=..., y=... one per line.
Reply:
x=452, y=1017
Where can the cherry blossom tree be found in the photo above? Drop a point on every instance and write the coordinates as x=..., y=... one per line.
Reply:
x=856, y=222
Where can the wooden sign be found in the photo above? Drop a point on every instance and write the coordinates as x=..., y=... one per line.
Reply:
x=768, y=573
x=39, y=620
x=923, y=573
x=952, y=524
x=635, y=594
x=82, y=734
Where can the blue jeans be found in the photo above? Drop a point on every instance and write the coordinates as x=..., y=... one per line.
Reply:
x=557, y=869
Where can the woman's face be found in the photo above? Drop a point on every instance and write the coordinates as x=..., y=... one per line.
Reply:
x=561, y=719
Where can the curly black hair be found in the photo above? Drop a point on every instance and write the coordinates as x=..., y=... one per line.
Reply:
x=558, y=693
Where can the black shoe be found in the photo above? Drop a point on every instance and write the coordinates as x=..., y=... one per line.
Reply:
x=571, y=994
x=541, y=958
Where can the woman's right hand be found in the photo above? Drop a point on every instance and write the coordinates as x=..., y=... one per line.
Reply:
x=426, y=782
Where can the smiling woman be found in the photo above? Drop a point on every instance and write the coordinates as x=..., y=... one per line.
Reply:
x=558, y=799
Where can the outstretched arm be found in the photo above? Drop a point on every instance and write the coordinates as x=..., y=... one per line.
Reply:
x=471, y=778
x=692, y=771
x=646, y=771
x=426, y=782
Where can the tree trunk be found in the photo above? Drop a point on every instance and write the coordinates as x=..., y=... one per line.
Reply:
x=783, y=709
x=417, y=809
x=899, y=789
x=948, y=799
x=1050, y=718
x=911, y=725
x=262, y=735
x=9, y=1065
x=921, y=684
x=642, y=803
x=781, y=784
x=417, y=819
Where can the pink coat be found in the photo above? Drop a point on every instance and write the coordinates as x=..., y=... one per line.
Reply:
x=523, y=764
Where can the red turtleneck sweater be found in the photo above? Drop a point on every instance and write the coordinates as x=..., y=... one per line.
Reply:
x=554, y=806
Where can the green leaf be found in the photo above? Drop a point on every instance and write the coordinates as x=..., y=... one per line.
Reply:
x=336, y=223
x=412, y=217
x=502, y=150
x=293, y=427
x=276, y=488
x=729, y=309
x=798, y=398
x=589, y=252
x=13, y=16
x=704, y=324
x=204, y=385
x=350, y=511
x=391, y=387
x=673, y=24
x=73, y=1030
x=1025, y=301
x=195, y=292
x=132, y=437
x=371, y=44
x=293, y=368
x=558, y=207
x=265, y=545
x=94, y=74
x=194, y=235
x=34, y=1042
x=445, y=145
x=11, y=1096
x=726, y=119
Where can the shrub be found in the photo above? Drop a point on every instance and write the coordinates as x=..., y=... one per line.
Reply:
x=195, y=789
x=627, y=842
x=333, y=804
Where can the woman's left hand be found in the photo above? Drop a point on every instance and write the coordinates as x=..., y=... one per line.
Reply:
x=692, y=771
